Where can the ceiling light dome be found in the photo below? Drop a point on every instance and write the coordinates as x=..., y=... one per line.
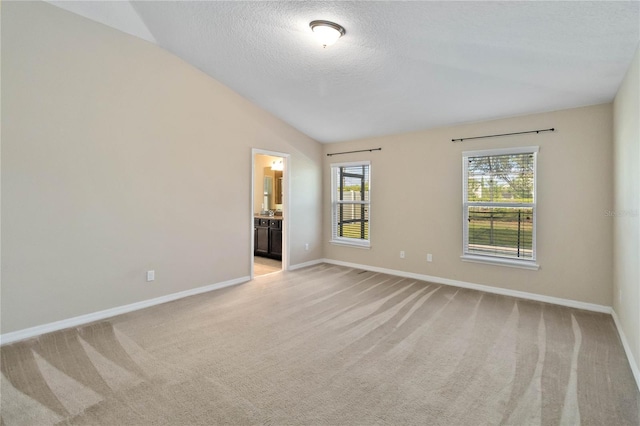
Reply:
x=327, y=32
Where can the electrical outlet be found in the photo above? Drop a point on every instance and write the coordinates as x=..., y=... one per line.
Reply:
x=429, y=257
x=151, y=275
x=306, y=246
x=402, y=254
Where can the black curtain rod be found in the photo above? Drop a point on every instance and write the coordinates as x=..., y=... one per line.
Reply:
x=505, y=134
x=351, y=152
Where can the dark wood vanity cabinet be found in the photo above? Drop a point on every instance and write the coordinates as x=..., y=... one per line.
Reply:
x=267, y=236
x=275, y=242
x=261, y=245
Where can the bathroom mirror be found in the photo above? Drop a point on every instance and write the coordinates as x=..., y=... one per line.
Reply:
x=277, y=191
x=268, y=185
x=272, y=188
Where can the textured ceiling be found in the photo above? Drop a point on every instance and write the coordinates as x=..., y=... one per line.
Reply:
x=402, y=66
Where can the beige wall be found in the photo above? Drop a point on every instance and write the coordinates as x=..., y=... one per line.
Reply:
x=416, y=203
x=626, y=247
x=117, y=158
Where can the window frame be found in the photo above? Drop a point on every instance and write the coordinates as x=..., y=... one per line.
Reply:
x=492, y=258
x=348, y=241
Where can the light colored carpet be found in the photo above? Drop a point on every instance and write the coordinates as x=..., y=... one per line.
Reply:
x=265, y=265
x=327, y=345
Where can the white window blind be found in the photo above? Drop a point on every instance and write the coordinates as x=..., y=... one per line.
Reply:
x=499, y=202
x=350, y=200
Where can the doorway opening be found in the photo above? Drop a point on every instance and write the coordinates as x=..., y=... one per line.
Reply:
x=269, y=214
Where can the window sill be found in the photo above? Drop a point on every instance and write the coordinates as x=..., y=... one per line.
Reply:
x=357, y=244
x=522, y=264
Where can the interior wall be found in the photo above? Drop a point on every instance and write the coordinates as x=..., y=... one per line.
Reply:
x=626, y=213
x=416, y=203
x=118, y=158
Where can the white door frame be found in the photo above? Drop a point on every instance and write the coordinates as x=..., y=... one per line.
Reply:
x=286, y=191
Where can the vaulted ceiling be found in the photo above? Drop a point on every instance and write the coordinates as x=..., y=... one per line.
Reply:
x=401, y=66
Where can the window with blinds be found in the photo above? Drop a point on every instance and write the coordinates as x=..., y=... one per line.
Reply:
x=350, y=202
x=499, y=202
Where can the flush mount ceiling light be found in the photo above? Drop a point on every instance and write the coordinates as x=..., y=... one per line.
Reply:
x=327, y=32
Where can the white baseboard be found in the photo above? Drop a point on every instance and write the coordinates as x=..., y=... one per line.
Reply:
x=107, y=313
x=28, y=333
x=627, y=349
x=305, y=264
x=488, y=289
